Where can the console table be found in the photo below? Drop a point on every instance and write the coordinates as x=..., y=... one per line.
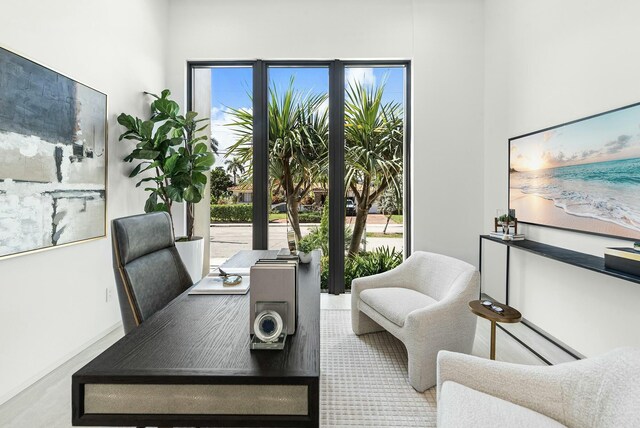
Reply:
x=190, y=365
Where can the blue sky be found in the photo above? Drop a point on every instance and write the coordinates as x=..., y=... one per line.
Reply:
x=607, y=137
x=232, y=86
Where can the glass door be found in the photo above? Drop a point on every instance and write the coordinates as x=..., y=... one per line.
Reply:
x=224, y=93
x=298, y=156
x=374, y=180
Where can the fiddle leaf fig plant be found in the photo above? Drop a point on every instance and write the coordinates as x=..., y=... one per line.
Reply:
x=172, y=156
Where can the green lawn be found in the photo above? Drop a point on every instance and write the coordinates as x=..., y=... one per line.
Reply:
x=383, y=235
x=277, y=216
x=397, y=218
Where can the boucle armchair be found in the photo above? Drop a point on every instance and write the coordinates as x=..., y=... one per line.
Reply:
x=424, y=303
x=595, y=392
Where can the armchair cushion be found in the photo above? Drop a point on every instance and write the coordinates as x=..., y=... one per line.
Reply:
x=461, y=406
x=395, y=303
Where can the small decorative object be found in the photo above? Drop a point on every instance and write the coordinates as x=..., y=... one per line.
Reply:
x=507, y=223
x=231, y=280
x=304, y=257
x=269, y=326
x=291, y=241
x=487, y=303
x=497, y=309
x=53, y=158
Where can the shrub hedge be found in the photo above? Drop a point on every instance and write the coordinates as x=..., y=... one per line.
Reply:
x=232, y=213
x=310, y=217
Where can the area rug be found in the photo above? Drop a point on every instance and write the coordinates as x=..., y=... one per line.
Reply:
x=363, y=380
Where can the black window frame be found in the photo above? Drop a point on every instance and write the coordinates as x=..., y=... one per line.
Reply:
x=336, y=70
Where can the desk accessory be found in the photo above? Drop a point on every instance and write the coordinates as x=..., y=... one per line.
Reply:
x=269, y=326
x=274, y=282
x=214, y=284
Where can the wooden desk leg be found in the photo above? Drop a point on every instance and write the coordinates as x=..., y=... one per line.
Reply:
x=493, y=340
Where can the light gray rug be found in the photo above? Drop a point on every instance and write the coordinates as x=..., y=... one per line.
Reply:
x=364, y=379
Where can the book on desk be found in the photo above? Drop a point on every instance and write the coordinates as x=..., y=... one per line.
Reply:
x=214, y=284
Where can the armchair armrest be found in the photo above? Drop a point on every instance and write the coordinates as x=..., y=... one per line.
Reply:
x=538, y=388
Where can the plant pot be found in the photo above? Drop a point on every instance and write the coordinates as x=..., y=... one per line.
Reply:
x=192, y=255
x=304, y=257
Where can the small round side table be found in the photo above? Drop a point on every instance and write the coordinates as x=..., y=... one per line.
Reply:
x=509, y=315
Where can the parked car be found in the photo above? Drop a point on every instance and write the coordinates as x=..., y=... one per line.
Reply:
x=350, y=208
x=279, y=208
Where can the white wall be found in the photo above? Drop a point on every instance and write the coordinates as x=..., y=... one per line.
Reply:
x=53, y=303
x=443, y=38
x=549, y=62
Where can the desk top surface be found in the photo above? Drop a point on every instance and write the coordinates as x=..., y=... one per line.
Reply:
x=198, y=336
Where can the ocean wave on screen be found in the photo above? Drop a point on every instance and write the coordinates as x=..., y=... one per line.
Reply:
x=608, y=191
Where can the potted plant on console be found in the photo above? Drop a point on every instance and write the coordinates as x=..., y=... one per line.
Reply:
x=173, y=159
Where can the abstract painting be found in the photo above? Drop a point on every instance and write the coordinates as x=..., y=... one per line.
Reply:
x=52, y=158
x=583, y=175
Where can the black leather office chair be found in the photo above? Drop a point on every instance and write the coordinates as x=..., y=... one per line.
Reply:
x=149, y=271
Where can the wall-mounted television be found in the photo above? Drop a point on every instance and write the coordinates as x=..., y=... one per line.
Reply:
x=583, y=175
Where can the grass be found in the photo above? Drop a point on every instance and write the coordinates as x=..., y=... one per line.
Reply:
x=397, y=218
x=277, y=216
x=383, y=235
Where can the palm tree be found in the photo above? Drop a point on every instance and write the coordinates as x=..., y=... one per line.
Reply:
x=298, y=144
x=373, y=150
x=235, y=168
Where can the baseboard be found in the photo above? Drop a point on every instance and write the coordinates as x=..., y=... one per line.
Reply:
x=59, y=362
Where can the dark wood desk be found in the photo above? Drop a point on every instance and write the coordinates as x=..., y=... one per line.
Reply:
x=198, y=346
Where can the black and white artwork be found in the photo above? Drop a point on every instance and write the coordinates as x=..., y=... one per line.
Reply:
x=52, y=158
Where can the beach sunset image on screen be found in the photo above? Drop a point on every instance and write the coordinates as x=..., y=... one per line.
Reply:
x=584, y=175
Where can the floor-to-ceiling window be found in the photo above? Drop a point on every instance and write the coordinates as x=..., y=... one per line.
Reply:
x=286, y=133
x=374, y=143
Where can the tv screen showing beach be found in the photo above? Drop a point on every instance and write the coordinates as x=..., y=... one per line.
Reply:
x=584, y=175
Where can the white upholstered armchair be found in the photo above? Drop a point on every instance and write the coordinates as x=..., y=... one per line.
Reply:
x=424, y=303
x=598, y=392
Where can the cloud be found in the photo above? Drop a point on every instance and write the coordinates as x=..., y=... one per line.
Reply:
x=226, y=137
x=617, y=145
x=588, y=153
x=554, y=159
x=364, y=76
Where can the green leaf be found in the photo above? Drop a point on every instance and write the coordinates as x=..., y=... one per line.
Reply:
x=181, y=166
x=205, y=161
x=190, y=116
x=166, y=106
x=174, y=193
x=199, y=177
x=135, y=170
x=151, y=203
x=200, y=148
x=191, y=194
x=170, y=163
x=147, y=129
x=147, y=154
x=127, y=121
x=144, y=180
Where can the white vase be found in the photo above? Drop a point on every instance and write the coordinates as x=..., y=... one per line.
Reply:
x=192, y=255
